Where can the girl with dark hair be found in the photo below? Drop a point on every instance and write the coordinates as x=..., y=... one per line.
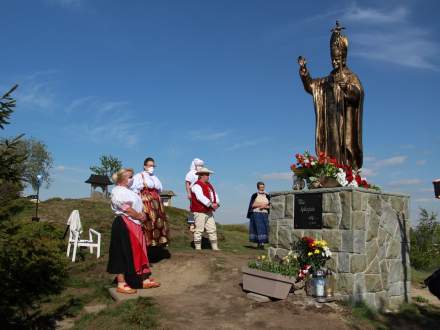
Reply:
x=258, y=214
x=149, y=187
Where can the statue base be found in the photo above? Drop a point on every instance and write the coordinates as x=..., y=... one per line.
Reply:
x=366, y=230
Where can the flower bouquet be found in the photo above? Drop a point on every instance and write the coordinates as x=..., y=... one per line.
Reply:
x=312, y=255
x=325, y=172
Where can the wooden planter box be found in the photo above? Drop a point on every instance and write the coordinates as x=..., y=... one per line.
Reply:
x=267, y=284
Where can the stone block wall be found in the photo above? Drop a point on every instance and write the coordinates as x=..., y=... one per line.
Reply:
x=368, y=233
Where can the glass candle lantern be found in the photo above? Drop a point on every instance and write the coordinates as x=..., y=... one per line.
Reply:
x=319, y=284
x=329, y=284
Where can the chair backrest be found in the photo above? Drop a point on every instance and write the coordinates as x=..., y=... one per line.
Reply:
x=74, y=222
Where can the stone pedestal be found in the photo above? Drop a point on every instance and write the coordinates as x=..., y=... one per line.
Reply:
x=368, y=233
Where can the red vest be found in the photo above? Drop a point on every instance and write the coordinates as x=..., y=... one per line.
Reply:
x=196, y=205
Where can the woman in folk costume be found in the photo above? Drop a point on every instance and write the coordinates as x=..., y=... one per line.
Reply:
x=128, y=249
x=258, y=214
x=149, y=187
x=191, y=178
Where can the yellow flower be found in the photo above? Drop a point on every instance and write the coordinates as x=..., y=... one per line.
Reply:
x=317, y=251
x=263, y=257
x=310, y=254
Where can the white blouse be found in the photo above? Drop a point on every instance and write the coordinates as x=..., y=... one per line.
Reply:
x=151, y=181
x=123, y=198
x=191, y=177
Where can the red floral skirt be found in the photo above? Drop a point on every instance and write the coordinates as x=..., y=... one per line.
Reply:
x=155, y=228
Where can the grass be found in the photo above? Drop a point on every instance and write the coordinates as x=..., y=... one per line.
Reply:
x=135, y=314
x=409, y=316
x=418, y=276
x=89, y=282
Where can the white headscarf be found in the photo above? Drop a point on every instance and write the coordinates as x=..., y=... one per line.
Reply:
x=196, y=162
x=191, y=176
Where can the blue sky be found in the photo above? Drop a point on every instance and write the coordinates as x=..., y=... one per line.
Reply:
x=218, y=80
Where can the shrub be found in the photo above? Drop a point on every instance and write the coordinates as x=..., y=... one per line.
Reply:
x=32, y=267
x=425, y=242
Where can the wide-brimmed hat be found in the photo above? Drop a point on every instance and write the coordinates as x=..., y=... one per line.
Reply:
x=204, y=170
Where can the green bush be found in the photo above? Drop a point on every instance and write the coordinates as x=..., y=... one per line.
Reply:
x=32, y=267
x=425, y=242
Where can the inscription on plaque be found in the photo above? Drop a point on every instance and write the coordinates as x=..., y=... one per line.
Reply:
x=308, y=211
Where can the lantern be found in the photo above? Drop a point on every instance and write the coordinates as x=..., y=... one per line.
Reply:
x=329, y=284
x=319, y=284
x=436, y=188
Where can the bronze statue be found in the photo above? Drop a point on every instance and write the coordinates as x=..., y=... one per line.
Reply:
x=338, y=100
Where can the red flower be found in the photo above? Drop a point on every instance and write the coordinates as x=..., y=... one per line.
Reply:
x=364, y=184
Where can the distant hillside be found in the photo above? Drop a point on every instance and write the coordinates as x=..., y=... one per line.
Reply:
x=98, y=215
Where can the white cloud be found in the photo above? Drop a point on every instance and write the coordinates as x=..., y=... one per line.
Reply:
x=36, y=91
x=277, y=176
x=121, y=130
x=246, y=144
x=36, y=96
x=66, y=3
x=79, y=104
x=406, y=46
x=426, y=190
x=201, y=135
x=368, y=172
x=386, y=34
x=421, y=162
x=64, y=168
x=392, y=161
x=107, y=121
x=369, y=159
x=375, y=16
x=405, y=182
x=424, y=200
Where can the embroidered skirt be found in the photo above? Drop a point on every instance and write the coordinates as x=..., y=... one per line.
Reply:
x=259, y=227
x=156, y=227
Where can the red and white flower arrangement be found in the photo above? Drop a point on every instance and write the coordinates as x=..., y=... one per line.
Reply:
x=313, y=168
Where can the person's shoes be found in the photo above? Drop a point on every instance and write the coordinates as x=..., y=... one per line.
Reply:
x=198, y=246
x=214, y=247
x=261, y=246
x=125, y=289
x=150, y=284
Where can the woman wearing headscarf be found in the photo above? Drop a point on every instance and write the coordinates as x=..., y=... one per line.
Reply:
x=191, y=178
x=128, y=257
x=149, y=187
x=258, y=214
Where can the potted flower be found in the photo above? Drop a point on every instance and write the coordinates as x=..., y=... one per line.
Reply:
x=323, y=171
x=271, y=277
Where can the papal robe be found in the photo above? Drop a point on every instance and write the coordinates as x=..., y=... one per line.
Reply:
x=338, y=113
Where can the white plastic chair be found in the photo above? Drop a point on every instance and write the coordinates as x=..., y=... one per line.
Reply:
x=75, y=231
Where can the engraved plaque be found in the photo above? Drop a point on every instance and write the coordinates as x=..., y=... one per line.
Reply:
x=308, y=211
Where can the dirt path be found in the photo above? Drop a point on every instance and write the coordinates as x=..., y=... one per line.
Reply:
x=202, y=291
x=418, y=291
